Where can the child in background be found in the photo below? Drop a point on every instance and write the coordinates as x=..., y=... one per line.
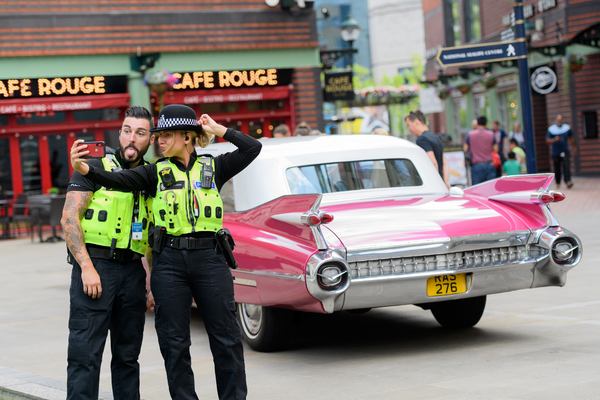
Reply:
x=512, y=166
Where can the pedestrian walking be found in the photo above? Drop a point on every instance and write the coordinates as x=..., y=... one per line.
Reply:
x=303, y=129
x=518, y=135
x=107, y=235
x=558, y=136
x=500, y=137
x=430, y=142
x=281, y=131
x=185, y=265
x=519, y=154
x=512, y=166
x=482, y=143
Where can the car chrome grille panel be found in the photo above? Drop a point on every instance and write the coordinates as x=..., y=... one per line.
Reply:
x=446, y=262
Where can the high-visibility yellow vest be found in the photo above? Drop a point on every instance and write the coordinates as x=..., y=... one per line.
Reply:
x=109, y=218
x=185, y=207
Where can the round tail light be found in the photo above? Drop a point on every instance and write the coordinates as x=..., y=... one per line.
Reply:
x=564, y=251
x=331, y=276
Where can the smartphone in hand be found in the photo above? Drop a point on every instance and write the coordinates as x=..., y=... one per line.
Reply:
x=96, y=149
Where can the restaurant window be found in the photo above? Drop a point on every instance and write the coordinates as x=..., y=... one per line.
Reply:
x=255, y=129
x=344, y=176
x=103, y=114
x=219, y=108
x=59, y=161
x=6, y=184
x=275, y=123
x=3, y=120
x=482, y=105
x=472, y=20
x=265, y=105
x=461, y=123
x=509, y=109
x=88, y=137
x=30, y=164
x=452, y=23
x=50, y=117
x=111, y=139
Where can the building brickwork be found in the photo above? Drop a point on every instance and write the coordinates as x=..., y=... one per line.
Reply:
x=131, y=31
x=560, y=25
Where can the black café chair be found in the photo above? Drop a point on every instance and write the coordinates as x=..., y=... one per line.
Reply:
x=39, y=209
x=57, y=203
x=21, y=213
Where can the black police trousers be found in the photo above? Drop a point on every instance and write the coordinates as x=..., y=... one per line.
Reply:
x=177, y=276
x=121, y=309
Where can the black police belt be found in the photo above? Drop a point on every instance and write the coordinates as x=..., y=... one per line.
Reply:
x=119, y=255
x=190, y=243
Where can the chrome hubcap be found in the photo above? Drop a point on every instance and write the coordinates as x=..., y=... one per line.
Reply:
x=251, y=316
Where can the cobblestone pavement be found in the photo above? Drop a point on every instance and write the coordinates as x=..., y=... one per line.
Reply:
x=538, y=344
x=583, y=196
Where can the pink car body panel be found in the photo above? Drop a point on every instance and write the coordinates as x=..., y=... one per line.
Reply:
x=267, y=244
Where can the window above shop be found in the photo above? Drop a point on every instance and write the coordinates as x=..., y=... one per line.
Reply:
x=472, y=20
x=49, y=117
x=265, y=105
x=105, y=114
x=219, y=108
x=452, y=23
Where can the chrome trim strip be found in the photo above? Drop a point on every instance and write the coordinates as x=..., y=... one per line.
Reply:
x=271, y=274
x=244, y=282
x=441, y=246
x=427, y=274
x=332, y=300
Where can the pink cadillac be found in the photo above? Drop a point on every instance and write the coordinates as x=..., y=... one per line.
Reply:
x=333, y=223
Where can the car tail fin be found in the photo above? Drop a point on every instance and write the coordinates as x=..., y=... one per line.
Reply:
x=531, y=192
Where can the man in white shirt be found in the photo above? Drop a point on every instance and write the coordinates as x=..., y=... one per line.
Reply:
x=518, y=135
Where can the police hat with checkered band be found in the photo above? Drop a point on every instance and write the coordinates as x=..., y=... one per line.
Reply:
x=177, y=117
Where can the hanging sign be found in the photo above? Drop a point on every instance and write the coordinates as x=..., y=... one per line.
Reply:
x=61, y=87
x=338, y=86
x=208, y=80
x=543, y=80
x=483, y=53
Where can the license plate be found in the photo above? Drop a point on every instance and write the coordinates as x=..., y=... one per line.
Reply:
x=444, y=285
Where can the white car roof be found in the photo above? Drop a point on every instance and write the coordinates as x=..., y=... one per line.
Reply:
x=264, y=179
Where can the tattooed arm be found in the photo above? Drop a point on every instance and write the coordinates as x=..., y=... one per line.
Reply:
x=76, y=204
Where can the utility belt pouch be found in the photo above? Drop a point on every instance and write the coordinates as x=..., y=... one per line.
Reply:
x=225, y=245
x=70, y=257
x=159, y=238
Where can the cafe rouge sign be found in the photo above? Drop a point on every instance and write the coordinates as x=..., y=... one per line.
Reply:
x=61, y=87
x=232, y=79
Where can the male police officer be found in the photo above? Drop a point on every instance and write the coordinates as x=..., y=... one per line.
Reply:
x=107, y=235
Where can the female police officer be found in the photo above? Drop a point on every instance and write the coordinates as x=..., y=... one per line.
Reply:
x=189, y=210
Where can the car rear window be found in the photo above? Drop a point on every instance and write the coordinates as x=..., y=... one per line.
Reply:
x=356, y=175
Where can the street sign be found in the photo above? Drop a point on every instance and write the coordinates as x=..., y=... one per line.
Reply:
x=338, y=86
x=329, y=57
x=481, y=53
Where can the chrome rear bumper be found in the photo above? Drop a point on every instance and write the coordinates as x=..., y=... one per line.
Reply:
x=497, y=263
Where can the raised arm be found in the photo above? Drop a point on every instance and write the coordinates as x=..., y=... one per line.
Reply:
x=140, y=178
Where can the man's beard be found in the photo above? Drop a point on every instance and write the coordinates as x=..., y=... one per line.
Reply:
x=139, y=154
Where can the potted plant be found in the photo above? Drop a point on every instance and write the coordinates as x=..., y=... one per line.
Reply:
x=575, y=62
x=489, y=79
x=463, y=86
x=160, y=82
x=443, y=91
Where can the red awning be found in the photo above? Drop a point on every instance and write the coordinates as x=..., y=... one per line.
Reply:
x=18, y=106
x=226, y=95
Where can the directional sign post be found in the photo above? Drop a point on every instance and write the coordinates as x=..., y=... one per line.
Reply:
x=491, y=52
x=481, y=53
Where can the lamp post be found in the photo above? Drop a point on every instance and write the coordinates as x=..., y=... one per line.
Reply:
x=350, y=31
x=520, y=25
